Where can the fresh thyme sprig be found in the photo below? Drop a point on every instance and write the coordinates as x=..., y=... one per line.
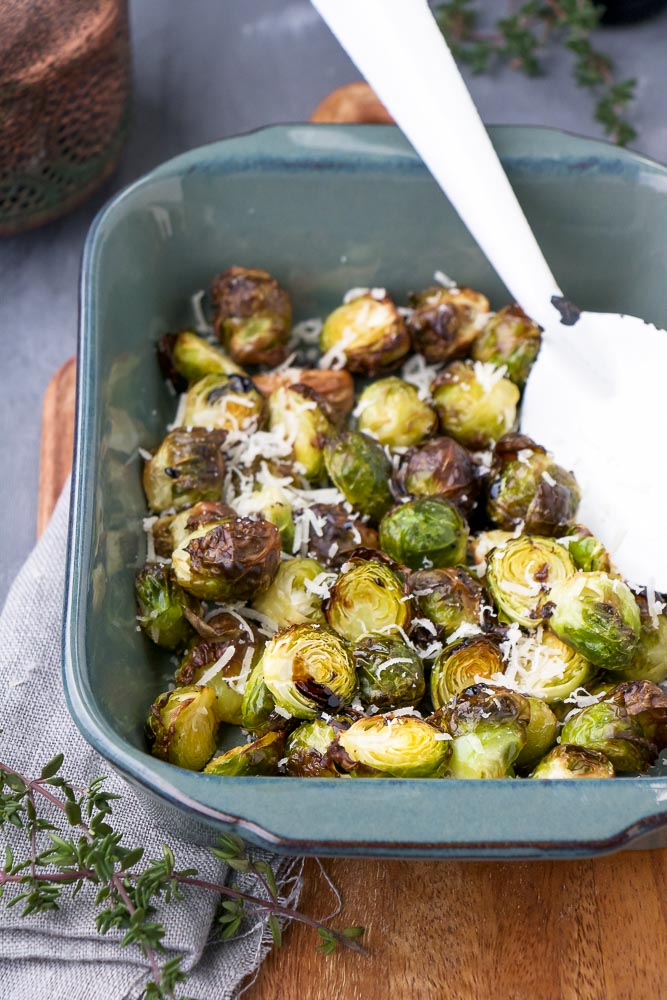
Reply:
x=522, y=39
x=84, y=849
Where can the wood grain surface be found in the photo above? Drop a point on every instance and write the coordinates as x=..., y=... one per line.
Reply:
x=561, y=930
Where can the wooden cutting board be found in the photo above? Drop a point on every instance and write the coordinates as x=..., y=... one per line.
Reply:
x=548, y=930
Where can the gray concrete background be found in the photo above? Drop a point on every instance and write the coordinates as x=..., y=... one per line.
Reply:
x=207, y=69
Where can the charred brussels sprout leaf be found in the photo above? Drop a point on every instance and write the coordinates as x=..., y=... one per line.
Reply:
x=449, y=597
x=261, y=757
x=444, y=322
x=162, y=606
x=609, y=729
x=294, y=596
x=205, y=512
x=368, y=597
x=390, y=673
x=540, y=734
x=461, y=664
x=307, y=749
x=257, y=705
x=362, y=472
x=527, y=488
x=339, y=532
x=302, y=414
x=272, y=503
x=234, y=560
x=509, y=338
x=424, y=533
x=488, y=726
x=475, y=403
x=369, y=333
x=187, y=467
x=182, y=725
x=568, y=761
x=185, y=357
x=441, y=467
x=521, y=574
x=646, y=704
x=598, y=616
x=588, y=553
x=226, y=402
x=308, y=669
x=391, y=411
x=223, y=665
x=391, y=746
x=252, y=315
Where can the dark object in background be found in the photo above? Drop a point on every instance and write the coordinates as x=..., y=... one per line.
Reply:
x=624, y=11
x=64, y=100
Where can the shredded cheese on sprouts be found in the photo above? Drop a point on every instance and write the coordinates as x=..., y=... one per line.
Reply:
x=488, y=374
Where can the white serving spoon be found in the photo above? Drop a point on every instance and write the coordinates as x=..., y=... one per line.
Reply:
x=597, y=394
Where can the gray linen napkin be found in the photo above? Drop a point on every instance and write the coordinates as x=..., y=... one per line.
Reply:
x=60, y=956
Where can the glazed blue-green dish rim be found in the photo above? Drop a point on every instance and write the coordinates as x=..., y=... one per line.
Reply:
x=371, y=817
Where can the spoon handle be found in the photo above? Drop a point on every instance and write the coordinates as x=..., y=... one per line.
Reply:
x=400, y=50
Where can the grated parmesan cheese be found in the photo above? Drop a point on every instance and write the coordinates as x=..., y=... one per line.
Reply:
x=443, y=279
x=488, y=375
x=201, y=324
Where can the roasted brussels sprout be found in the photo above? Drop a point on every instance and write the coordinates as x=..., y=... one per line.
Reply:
x=181, y=726
x=475, y=403
x=509, y=338
x=424, y=533
x=522, y=573
x=272, y=504
x=485, y=542
x=444, y=322
x=187, y=467
x=369, y=333
x=488, y=726
x=461, y=664
x=186, y=521
x=646, y=704
x=257, y=706
x=295, y=594
x=540, y=734
x=359, y=468
x=649, y=661
x=162, y=605
x=307, y=749
x=223, y=665
x=441, y=467
x=568, y=761
x=588, y=553
x=609, y=728
x=598, y=616
x=527, y=488
x=234, y=560
x=391, y=411
x=185, y=357
x=391, y=746
x=226, y=402
x=302, y=413
x=252, y=315
x=449, y=596
x=368, y=597
x=335, y=386
x=390, y=673
x=262, y=757
x=338, y=533
x=308, y=669
x=543, y=666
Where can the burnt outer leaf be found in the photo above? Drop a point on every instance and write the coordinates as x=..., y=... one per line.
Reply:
x=507, y=448
x=441, y=467
x=241, y=294
x=245, y=552
x=165, y=357
x=647, y=703
x=342, y=529
x=436, y=332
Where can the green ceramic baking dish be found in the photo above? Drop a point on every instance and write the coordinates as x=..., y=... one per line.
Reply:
x=323, y=208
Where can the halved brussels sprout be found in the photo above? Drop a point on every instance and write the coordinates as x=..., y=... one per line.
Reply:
x=187, y=467
x=185, y=357
x=609, y=728
x=522, y=573
x=302, y=413
x=308, y=669
x=257, y=706
x=338, y=533
x=527, y=488
x=425, y=533
x=441, y=467
x=226, y=402
x=162, y=606
x=475, y=403
x=449, y=596
x=252, y=315
x=598, y=616
x=391, y=411
x=390, y=673
x=509, y=338
x=540, y=733
x=261, y=757
x=568, y=761
x=444, y=322
x=488, y=726
x=234, y=560
x=307, y=749
x=223, y=665
x=649, y=661
x=368, y=597
x=646, y=704
x=543, y=666
x=359, y=468
x=182, y=725
x=294, y=596
x=461, y=664
x=370, y=334
x=391, y=746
